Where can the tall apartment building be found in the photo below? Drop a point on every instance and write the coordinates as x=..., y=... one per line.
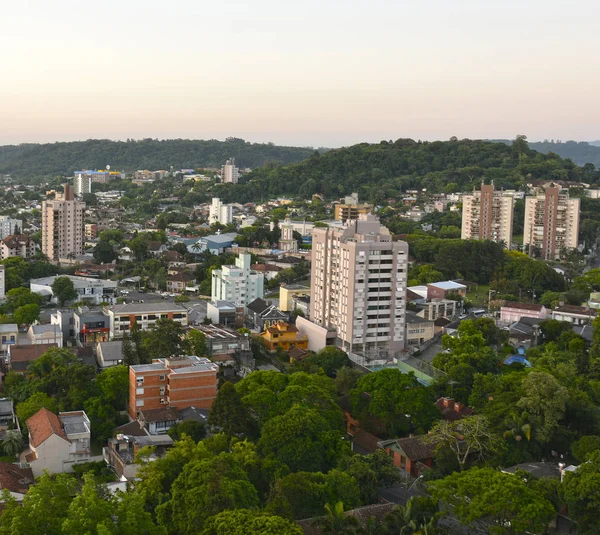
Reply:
x=63, y=227
x=179, y=381
x=238, y=283
x=230, y=174
x=9, y=226
x=551, y=222
x=358, y=282
x=488, y=215
x=219, y=212
x=82, y=183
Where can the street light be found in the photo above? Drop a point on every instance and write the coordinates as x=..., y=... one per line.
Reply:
x=411, y=486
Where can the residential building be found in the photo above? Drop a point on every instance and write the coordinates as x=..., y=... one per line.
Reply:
x=551, y=222
x=121, y=451
x=237, y=283
x=219, y=212
x=90, y=327
x=418, y=329
x=347, y=212
x=9, y=333
x=92, y=290
x=574, y=314
x=2, y=282
x=525, y=332
x=82, y=184
x=43, y=334
x=17, y=245
x=225, y=313
x=261, y=315
x=15, y=479
x=440, y=290
x=100, y=176
x=8, y=419
x=91, y=231
x=511, y=311
x=283, y=335
x=158, y=421
x=230, y=174
x=109, y=354
x=453, y=410
x=287, y=292
x=172, y=382
x=122, y=317
x=228, y=348
x=487, y=214
x=180, y=281
x=358, y=282
x=20, y=356
x=9, y=226
x=411, y=454
x=270, y=270
x=63, y=226
x=287, y=242
x=56, y=443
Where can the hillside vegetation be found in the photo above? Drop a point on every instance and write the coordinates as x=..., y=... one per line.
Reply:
x=384, y=170
x=31, y=160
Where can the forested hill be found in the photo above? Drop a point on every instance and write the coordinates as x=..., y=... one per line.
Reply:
x=581, y=152
x=386, y=169
x=30, y=160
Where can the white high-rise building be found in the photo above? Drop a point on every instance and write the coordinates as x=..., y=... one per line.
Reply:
x=358, y=286
x=9, y=226
x=63, y=228
x=82, y=183
x=287, y=242
x=488, y=215
x=238, y=283
x=229, y=172
x=219, y=212
x=551, y=222
x=2, y=283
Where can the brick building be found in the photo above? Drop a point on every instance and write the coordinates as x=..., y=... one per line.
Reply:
x=180, y=382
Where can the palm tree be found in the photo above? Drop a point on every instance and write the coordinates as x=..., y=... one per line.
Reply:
x=407, y=520
x=335, y=522
x=372, y=527
x=519, y=426
x=12, y=443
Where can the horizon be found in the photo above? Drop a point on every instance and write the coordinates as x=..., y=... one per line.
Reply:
x=328, y=74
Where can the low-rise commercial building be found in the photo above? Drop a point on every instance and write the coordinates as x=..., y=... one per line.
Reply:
x=122, y=317
x=95, y=291
x=418, y=330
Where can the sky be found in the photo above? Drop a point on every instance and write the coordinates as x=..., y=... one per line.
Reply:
x=311, y=73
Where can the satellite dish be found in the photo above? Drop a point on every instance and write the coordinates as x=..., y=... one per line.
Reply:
x=108, y=167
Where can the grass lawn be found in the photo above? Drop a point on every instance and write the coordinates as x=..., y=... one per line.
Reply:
x=479, y=296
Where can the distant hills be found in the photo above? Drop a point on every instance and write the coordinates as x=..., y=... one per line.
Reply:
x=581, y=152
x=31, y=160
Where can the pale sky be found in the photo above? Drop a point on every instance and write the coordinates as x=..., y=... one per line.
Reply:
x=320, y=73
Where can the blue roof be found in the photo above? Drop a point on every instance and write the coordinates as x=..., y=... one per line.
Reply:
x=517, y=359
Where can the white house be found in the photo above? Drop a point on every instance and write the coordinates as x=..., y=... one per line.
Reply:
x=56, y=443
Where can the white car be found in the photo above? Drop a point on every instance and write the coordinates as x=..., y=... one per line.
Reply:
x=124, y=292
x=172, y=295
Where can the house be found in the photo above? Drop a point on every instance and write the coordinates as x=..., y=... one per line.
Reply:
x=19, y=357
x=109, y=354
x=262, y=315
x=56, y=443
x=158, y=421
x=411, y=454
x=173, y=257
x=9, y=333
x=270, y=270
x=283, y=335
x=90, y=327
x=440, y=290
x=574, y=314
x=226, y=313
x=452, y=410
x=418, y=330
x=47, y=333
x=511, y=311
x=120, y=452
x=525, y=333
x=122, y=317
x=298, y=355
x=8, y=420
x=17, y=245
x=15, y=479
x=156, y=248
x=180, y=281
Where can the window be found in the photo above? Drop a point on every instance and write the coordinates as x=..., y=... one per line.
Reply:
x=139, y=391
x=139, y=402
x=140, y=381
x=161, y=377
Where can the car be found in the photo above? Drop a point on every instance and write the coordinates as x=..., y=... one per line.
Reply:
x=124, y=292
x=172, y=295
x=141, y=290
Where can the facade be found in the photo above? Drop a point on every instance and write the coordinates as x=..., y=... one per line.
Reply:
x=439, y=290
x=82, y=184
x=47, y=333
x=56, y=443
x=410, y=454
x=172, y=382
x=288, y=292
x=219, y=212
x=63, y=226
x=2, y=282
x=261, y=315
x=121, y=451
x=109, y=354
x=17, y=245
x=551, y=222
x=287, y=242
x=9, y=226
x=9, y=333
x=438, y=308
x=91, y=231
x=90, y=327
x=122, y=317
x=89, y=289
x=284, y=335
x=488, y=215
x=230, y=174
x=511, y=312
x=358, y=282
x=347, y=212
x=418, y=330
x=237, y=283
x=180, y=281
x=574, y=314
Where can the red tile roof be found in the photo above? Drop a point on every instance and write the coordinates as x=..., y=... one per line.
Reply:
x=14, y=478
x=42, y=425
x=523, y=306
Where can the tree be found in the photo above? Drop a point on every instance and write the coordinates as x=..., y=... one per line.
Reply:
x=346, y=378
x=228, y=412
x=12, y=444
x=132, y=519
x=545, y=400
x=585, y=446
x=331, y=359
x=165, y=339
x=193, y=429
x=418, y=516
x=26, y=409
x=335, y=522
x=197, y=340
x=246, y=522
x=128, y=353
x=18, y=297
x=64, y=290
x=27, y=314
x=104, y=253
x=182, y=298
x=581, y=490
x=114, y=386
x=497, y=500
x=466, y=438
x=91, y=510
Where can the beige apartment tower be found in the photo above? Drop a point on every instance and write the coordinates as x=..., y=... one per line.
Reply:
x=551, y=222
x=358, y=285
x=488, y=215
x=63, y=228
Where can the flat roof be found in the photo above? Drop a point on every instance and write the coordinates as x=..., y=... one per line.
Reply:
x=132, y=308
x=447, y=285
x=148, y=367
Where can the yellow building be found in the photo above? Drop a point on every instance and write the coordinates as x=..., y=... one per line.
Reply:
x=284, y=335
x=347, y=212
x=287, y=292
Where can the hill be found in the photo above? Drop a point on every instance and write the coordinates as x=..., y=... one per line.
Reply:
x=383, y=170
x=31, y=160
x=581, y=152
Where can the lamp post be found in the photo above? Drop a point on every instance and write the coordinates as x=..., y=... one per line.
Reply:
x=410, y=487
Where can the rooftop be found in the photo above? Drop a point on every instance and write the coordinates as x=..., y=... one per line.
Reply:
x=14, y=478
x=74, y=422
x=42, y=425
x=523, y=306
x=133, y=308
x=162, y=414
x=448, y=285
x=111, y=350
x=8, y=328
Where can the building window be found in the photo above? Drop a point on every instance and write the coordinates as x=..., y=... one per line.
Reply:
x=139, y=391
x=139, y=402
x=161, y=377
